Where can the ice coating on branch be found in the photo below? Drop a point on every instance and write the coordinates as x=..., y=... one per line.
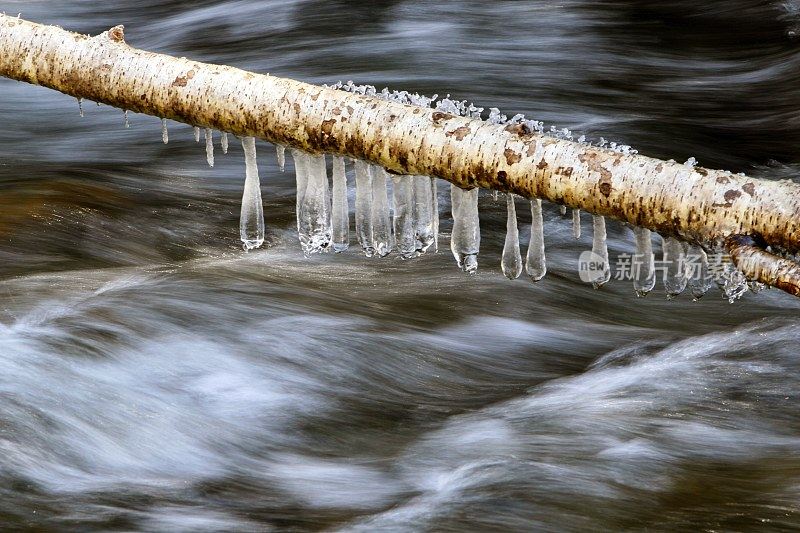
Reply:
x=340, y=218
x=363, y=174
x=223, y=142
x=209, y=146
x=576, y=223
x=251, y=220
x=314, y=216
x=465, y=240
x=511, y=261
x=535, y=262
x=80, y=107
x=164, y=131
x=196, y=133
x=404, y=223
x=691, y=162
x=381, y=219
x=435, y=214
x=644, y=273
x=423, y=206
x=674, y=259
x=280, y=151
x=699, y=277
x=600, y=250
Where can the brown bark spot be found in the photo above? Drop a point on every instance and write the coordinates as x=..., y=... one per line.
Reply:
x=502, y=176
x=617, y=161
x=701, y=171
x=605, y=188
x=315, y=96
x=337, y=111
x=105, y=66
x=531, y=148
x=659, y=167
x=327, y=126
x=568, y=171
x=438, y=116
x=512, y=157
x=459, y=133
x=732, y=195
x=296, y=107
x=591, y=160
x=518, y=129
x=417, y=111
x=749, y=188
x=181, y=81
x=117, y=34
x=548, y=142
x=350, y=110
x=542, y=164
x=392, y=118
x=723, y=179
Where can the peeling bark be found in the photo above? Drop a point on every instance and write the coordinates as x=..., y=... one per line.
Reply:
x=699, y=205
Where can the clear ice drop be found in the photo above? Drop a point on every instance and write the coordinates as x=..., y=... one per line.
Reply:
x=363, y=173
x=600, y=250
x=576, y=223
x=251, y=221
x=699, y=277
x=465, y=240
x=435, y=214
x=127, y=122
x=381, y=220
x=317, y=207
x=511, y=261
x=563, y=210
x=535, y=263
x=423, y=221
x=196, y=134
x=643, y=264
x=340, y=217
x=209, y=146
x=674, y=259
x=164, y=131
x=404, y=226
x=224, y=142
x=80, y=107
x=280, y=151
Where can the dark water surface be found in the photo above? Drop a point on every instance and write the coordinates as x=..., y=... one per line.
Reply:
x=154, y=377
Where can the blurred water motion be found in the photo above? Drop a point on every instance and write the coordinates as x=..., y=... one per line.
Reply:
x=155, y=377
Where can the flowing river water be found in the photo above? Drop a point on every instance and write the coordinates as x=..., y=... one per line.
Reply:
x=155, y=377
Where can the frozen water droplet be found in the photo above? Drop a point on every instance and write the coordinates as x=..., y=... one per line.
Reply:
x=381, y=220
x=80, y=107
x=251, y=220
x=563, y=210
x=465, y=240
x=209, y=134
x=196, y=134
x=535, y=262
x=340, y=214
x=600, y=249
x=691, y=162
x=699, y=276
x=127, y=123
x=404, y=224
x=363, y=173
x=576, y=223
x=164, y=132
x=674, y=259
x=511, y=261
x=281, y=153
x=423, y=221
x=224, y=142
x=644, y=273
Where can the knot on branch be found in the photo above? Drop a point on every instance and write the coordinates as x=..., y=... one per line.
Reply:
x=115, y=34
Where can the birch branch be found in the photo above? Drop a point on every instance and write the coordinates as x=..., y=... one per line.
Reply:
x=699, y=205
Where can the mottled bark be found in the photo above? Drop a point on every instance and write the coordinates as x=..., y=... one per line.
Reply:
x=699, y=205
x=758, y=264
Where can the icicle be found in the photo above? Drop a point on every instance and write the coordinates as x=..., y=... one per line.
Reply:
x=495, y=195
x=435, y=214
x=281, y=153
x=209, y=146
x=644, y=273
x=164, y=132
x=404, y=223
x=80, y=106
x=576, y=223
x=465, y=240
x=251, y=221
x=196, y=134
x=699, y=277
x=563, y=210
x=600, y=249
x=340, y=217
x=535, y=263
x=423, y=221
x=381, y=221
x=224, y=142
x=511, y=260
x=363, y=174
x=301, y=177
x=313, y=203
x=674, y=258
x=125, y=114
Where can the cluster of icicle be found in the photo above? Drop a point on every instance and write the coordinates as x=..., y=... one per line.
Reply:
x=410, y=224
